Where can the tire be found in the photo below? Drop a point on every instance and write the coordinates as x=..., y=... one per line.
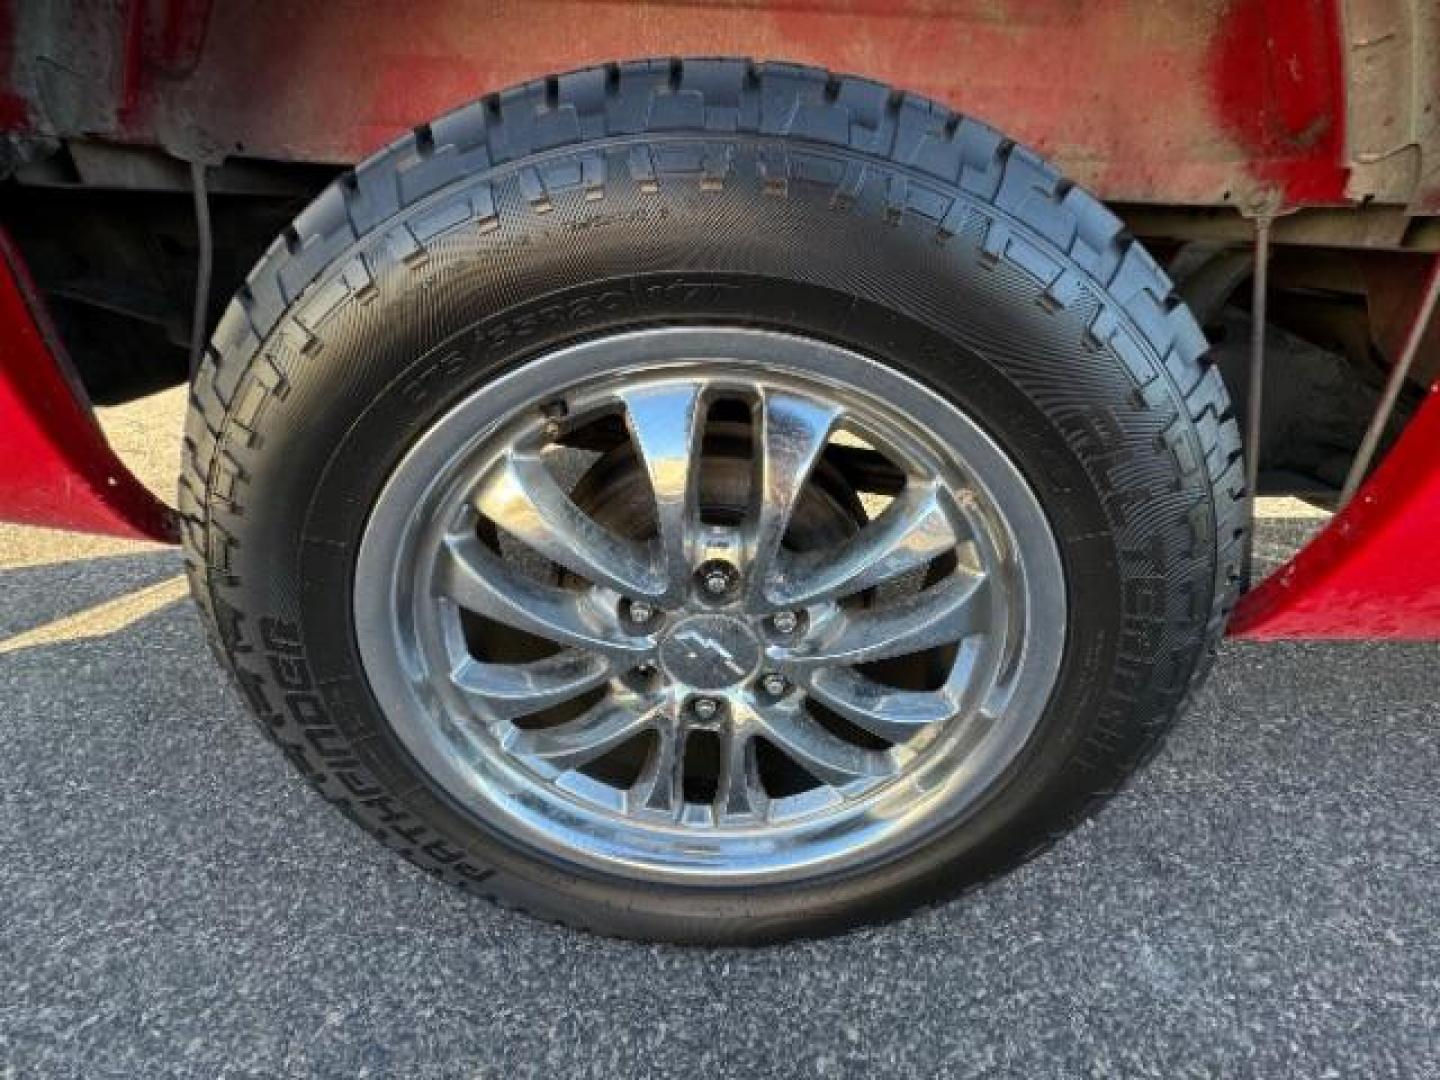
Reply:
x=777, y=204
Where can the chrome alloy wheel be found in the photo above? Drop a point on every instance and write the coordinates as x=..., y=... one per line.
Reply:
x=710, y=606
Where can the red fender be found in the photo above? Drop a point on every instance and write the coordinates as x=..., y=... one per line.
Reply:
x=56, y=468
x=1374, y=571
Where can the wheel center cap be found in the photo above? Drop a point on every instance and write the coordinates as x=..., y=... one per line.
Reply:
x=710, y=651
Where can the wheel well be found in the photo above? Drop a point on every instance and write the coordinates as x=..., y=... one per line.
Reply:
x=110, y=237
x=114, y=254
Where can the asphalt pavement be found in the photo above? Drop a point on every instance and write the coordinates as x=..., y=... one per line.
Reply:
x=1262, y=901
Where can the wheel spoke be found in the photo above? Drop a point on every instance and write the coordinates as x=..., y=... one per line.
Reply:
x=522, y=496
x=829, y=759
x=570, y=745
x=660, y=787
x=792, y=432
x=510, y=690
x=940, y=615
x=739, y=792
x=908, y=534
x=666, y=424
x=476, y=579
x=892, y=714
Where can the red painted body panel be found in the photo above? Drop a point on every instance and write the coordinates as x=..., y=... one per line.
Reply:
x=1180, y=101
x=1374, y=571
x=1277, y=79
x=56, y=468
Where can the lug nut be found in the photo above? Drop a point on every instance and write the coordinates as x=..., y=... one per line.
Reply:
x=785, y=622
x=705, y=708
x=774, y=684
x=717, y=578
x=554, y=412
x=641, y=611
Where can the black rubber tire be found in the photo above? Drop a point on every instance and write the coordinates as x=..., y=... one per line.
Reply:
x=713, y=191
